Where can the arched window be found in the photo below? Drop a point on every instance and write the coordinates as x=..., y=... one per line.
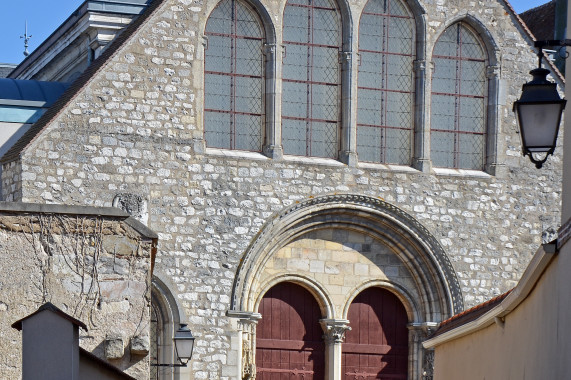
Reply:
x=165, y=319
x=311, y=78
x=234, y=78
x=385, y=83
x=458, y=106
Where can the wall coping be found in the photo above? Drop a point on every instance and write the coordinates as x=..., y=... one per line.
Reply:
x=111, y=212
x=527, y=283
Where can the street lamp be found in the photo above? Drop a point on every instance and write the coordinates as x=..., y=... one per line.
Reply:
x=183, y=346
x=538, y=111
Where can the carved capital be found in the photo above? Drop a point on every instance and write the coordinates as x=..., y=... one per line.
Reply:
x=335, y=330
x=492, y=71
x=246, y=320
x=419, y=65
x=269, y=49
x=345, y=56
x=421, y=331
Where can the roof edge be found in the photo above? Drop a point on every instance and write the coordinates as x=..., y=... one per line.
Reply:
x=54, y=309
x=526, y=29
x=121, y=40
x=529, y=279
x=90, y=356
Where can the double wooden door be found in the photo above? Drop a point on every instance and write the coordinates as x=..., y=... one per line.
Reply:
x=290, y=346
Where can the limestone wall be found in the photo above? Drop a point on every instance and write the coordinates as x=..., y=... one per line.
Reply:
x=95, y=268
x=136, y=128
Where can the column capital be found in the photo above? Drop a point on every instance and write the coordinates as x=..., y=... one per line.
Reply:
x=334, y=329
x=419, y=65
x=269, y=49
x=345, y=56
x=423, y=328
x=245, y=318
x=492, y=71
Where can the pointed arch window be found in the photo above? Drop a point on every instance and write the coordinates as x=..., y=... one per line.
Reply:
x=311, y=78
x=459, y=96
x=385, y=83
x=234, y=78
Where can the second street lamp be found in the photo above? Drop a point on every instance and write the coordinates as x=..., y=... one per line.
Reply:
x=539, y=111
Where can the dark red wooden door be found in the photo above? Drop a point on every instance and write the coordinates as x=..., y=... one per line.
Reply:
x=289, y=344
x=376, y=347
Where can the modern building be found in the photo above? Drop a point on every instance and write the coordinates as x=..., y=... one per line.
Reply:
x=328, y=180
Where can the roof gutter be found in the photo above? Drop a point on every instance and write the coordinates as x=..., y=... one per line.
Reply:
x=529, y=279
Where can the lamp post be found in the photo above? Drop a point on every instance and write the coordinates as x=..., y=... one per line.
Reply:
x=538, y=111
x=183, y=346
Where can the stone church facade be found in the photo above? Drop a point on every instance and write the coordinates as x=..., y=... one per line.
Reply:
x=257, y=140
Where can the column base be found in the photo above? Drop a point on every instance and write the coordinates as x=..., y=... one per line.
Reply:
x=275, y=152
x=349, y=158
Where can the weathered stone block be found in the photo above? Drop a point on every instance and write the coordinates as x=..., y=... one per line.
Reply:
x=140, y=345
x=114, y=347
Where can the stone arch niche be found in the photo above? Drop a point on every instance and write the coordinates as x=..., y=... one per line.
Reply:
x=336, y=246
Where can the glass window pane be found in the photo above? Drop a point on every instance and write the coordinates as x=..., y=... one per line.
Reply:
x=248, y=97
x=369, y=104
x=385, y=82
x=323, y=101
x=295, y=103
x=369, y=140
x=470, y=112
x=443, y=115
x=442, y=149
x=472, y=148
x=459, y=73
x=248, y=136
x=398, y=143
x=296, y=19
x=218, y=132
x=233, y=79
x=311, y=78
x=294, y=137
x=399, y=110
x=324, y=139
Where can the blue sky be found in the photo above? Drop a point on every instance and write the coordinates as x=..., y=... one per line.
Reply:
x=44, y=16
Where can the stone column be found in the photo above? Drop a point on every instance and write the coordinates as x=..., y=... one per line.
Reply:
x=493, y=123
x=421, y=155
x=334, y=336
x=348, y=150
x=272, y=145
x=246, y=344
x=420, y=367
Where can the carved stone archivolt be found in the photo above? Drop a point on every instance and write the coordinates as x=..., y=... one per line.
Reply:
x=370, y=213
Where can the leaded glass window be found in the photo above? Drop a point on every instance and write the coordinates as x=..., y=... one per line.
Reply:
x=234, y=78
x=459, y=88
x=385, y=83
x=311, y=78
